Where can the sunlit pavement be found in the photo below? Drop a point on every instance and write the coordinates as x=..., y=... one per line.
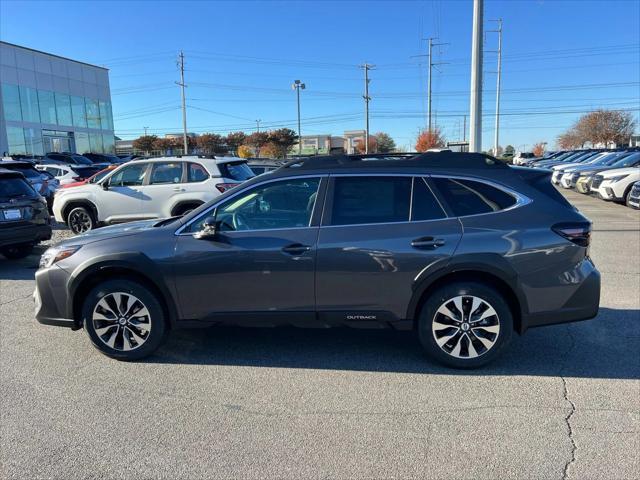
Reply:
x=251, y=403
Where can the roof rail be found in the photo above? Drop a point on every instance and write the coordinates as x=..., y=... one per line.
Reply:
x=442, y=159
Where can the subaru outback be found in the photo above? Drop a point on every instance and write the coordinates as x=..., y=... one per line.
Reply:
x=458, y=247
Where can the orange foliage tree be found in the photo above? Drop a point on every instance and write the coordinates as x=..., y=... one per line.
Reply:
x=430, y=139
x=538, y=149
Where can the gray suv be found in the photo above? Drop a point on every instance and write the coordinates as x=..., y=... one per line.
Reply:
x=458, y=247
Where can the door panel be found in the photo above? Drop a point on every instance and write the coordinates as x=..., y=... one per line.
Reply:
x=246, y=272
x=371, y=269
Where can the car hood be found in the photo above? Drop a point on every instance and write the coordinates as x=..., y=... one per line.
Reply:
x=104, y=233
x=619, y=171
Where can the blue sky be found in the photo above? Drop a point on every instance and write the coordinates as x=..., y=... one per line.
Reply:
x=560, y=58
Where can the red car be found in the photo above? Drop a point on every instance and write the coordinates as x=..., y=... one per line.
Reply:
x=96, y=177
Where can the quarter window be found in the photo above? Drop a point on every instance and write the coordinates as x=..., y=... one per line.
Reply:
x=166, y=172
x=424, y=205
x=468, y=197
x=129, y=176
x=360, y=200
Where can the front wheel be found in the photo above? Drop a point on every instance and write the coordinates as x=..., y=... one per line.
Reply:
x=124, y=320
x=465, y=324
x=81, y=220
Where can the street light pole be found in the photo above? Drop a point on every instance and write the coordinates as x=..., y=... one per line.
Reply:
x=258, y=125
x=366, y=97
x=475, y=131
x=297, y=86
x=184, y=107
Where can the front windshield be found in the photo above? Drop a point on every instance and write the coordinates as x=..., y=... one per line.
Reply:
x=82, y=160
x=627, y=161
x=99, y=176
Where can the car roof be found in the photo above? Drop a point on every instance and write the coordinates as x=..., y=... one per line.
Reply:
x=192, y=158
x=15, y=163
x=10, y=173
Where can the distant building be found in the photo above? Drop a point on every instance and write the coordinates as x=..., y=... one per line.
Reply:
x=52, y=104
x=634, y=141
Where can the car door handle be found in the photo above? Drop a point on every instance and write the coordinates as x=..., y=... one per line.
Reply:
x=427, y=242
x=296, y=249
x=178, y=189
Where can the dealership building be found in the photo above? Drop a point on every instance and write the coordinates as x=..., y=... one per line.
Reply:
x=52, y=104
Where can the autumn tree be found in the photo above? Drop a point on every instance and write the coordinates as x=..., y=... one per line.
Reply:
x=385, y=143
x=570, y=139
x=257, y=140
x=372, y=145
x=234, y=140
x=606, y=127
x=271, y=150
x=283, y=139
x=538, y=149
x=245, y=151
x=144, y=143
x=163, y=144
x=210, y=143
x=428, y=139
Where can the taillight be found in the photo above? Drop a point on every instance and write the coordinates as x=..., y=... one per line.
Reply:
x=578, y=233
x=223, y=187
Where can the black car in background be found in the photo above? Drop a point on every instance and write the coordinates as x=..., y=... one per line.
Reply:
x=103, y=158
x=24, y=219
x=38, y=180
x=67, y=158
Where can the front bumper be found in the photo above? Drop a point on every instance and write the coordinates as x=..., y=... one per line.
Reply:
x=52, y=306
x=24, y=234
x=605, y=192
x=582, y=185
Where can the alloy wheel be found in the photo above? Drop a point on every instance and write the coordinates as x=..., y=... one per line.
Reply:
x=121, y=321
x=465, y=327
x=80, y=221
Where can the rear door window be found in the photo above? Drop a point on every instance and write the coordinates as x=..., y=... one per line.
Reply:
x=370, y=199
x=166, y=172
x=468, y=197
x=424, y=206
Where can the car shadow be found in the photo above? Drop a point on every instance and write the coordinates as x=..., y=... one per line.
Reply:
x=22, y=269
x=605, y=347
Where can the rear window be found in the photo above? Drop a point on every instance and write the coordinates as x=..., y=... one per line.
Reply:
x=14, y=188
x=424, y=205
x=467, y=197
x=80, y=160
x=238, y=171
x=85, y=172
x=360, y=200
x=28, y=172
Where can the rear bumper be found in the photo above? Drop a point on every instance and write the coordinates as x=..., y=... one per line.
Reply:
x=582, y=305
x=31, y=234
x=51, y=298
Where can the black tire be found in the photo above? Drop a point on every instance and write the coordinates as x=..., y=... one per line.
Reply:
x=627, y=198
x=15, y=252
x=109, y=291
x=476, y=336
x=81, y=220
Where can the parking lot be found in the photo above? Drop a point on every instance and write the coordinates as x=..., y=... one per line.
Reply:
x=564, y=402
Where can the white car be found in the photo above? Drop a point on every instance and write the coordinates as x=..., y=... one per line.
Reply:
x=615, y=185
x=67, y=173
x=148, y=189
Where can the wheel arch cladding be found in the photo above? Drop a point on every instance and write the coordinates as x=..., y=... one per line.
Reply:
x=138, y=270
x=462, y=274
x=79, y=203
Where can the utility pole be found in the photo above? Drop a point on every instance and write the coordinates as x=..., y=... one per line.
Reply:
x=258, y=125
x=145, y=130
x=184, y=106
x=430, y=76
x=499, y=74
x=297, y=85
x=464, y=130
x=366, y=67
x=475, y=134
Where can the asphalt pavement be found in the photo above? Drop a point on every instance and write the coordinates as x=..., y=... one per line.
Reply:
x=563, y=402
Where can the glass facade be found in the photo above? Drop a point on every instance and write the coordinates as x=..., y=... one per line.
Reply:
x=28, y=105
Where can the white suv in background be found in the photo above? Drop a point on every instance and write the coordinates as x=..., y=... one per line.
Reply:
x=148, y=189
x=615, y=184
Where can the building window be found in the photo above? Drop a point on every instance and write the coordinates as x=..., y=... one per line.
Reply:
x=82, y=141
x=78, y=112
x=63, y=109
x=105, y=116
x=11, y=102
x=93, y=113
x=47, y=104
x=15, y=137
x=108, y=143
x=95, y=143
x=33, y=141
x=29, y=104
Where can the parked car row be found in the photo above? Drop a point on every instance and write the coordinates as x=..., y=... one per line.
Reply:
x=608, y=174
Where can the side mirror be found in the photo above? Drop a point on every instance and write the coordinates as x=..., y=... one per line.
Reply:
x=209, y=229
x=105, y=185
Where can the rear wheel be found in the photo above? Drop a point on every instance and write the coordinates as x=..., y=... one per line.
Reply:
x=124, y=319
x=16, y=252
x=81, y=220
x=465, y=324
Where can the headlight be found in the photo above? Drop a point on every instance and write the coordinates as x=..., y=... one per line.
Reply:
x=55, y=254
x=617, y=179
